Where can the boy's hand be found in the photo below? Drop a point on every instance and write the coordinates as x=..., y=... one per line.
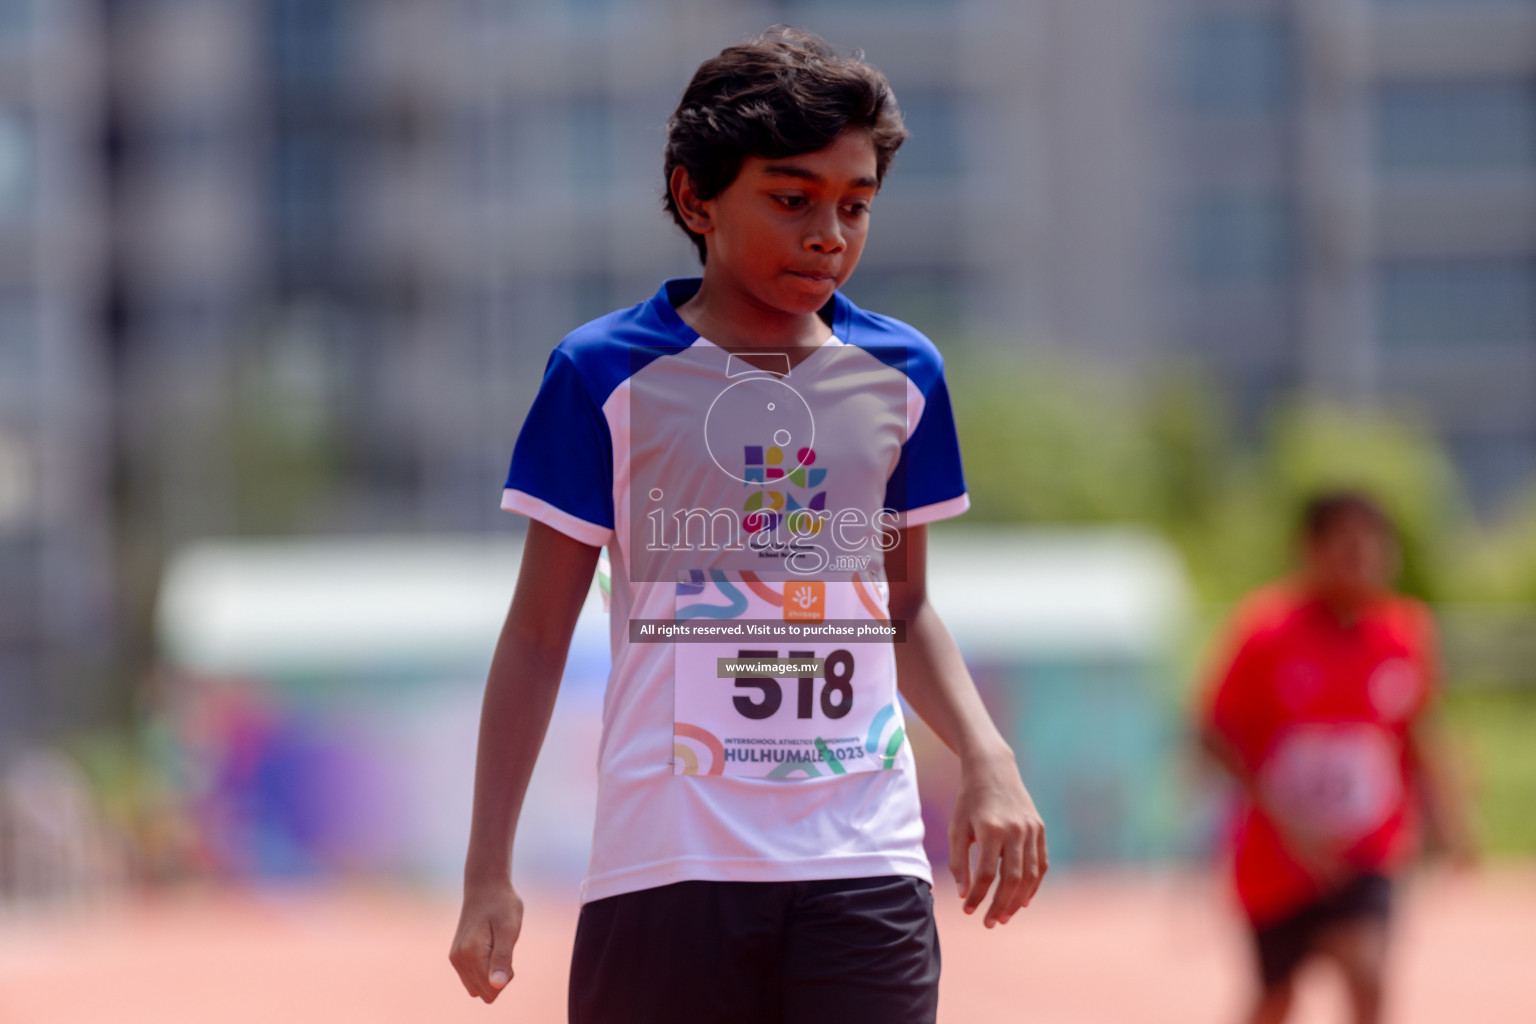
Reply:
x=491, y=919
x=994, y=811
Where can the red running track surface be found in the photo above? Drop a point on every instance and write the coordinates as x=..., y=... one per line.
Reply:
x=1093, y=949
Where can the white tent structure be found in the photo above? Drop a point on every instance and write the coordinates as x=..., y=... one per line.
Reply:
x=1006, y=592
x=261, y=608
x=313, y=606
x=372, y=654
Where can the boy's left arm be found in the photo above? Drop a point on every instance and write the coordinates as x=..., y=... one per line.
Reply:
x=1441, y=793
x=1440, y=790
x=993, y=809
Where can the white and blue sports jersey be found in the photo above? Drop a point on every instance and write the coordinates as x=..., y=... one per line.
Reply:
x=737, y=497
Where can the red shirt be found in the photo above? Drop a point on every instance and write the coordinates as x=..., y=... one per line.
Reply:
x=1319, y=713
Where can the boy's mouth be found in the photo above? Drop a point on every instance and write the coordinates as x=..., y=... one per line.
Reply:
x=815, y=275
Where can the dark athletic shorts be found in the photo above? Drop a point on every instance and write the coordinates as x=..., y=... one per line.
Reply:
x=1283, y=946
x=846, y=950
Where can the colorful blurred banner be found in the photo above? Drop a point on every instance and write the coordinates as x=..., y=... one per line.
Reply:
x=325, y=697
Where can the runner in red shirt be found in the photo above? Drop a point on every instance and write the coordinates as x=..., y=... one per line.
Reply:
x=1320, y=711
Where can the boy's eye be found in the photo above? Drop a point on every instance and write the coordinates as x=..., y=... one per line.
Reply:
x=792, y=202
x=857, y=209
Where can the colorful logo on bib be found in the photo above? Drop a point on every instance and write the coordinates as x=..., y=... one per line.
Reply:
x=782, y=492
x=697, y=751
x=805, y=601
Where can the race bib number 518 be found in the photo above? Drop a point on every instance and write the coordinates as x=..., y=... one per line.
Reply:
x=809, y=709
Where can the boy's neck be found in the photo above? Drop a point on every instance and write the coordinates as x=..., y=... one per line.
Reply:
x=732, y=318
x=1345, y=608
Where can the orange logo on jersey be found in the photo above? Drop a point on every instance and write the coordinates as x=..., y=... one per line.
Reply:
x=805, y=600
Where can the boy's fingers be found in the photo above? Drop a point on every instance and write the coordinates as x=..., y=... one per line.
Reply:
x=503, y=935
x=1041, y=865
x=456, y=958
x=1010, y=883
x=482, y=984
x=1031, y=851
x=466, y=962
x=960, y=857
x=991, y=848
x=481, y=953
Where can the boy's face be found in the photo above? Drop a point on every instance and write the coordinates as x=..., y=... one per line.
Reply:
x=1353, y=559
x=788, y=232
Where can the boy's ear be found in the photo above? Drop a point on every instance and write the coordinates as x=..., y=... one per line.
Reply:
x=693, y=210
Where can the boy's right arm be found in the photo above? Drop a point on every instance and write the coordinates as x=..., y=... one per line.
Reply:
x=520, y=692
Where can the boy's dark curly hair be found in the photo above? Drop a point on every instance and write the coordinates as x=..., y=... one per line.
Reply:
x=1324, y=509
x=783, y=93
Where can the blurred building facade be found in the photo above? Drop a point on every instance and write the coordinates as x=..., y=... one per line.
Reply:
x=1355, y=206
x=1326, y=195
x=380, y=214
x=54, y=397
x=295, y=265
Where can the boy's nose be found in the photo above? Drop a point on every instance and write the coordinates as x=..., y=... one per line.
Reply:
x=826, y=234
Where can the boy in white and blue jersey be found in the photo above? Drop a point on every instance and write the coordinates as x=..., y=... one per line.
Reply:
x=761, y=458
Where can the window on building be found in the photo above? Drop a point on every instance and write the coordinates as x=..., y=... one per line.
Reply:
x=184, y=141
x=804, y=7
x=1456, y=126
x=592, y=295
x=486, y=134
x=20, y=581
x=306, y=40
x=935, y=149
x=1449, y=302
x=591, y=153
x=929, y=298
x=1443, y=4
x=1235, y=239
x=1495, y=467
x=513, y=143
x=497, y=14
x=306, y=188
x=18, y=342
x=18, y=153
x=16, y=21
x=1235, y=62
x=188, y=317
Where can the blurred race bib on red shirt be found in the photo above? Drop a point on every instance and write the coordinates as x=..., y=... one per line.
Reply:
x=1338, y=781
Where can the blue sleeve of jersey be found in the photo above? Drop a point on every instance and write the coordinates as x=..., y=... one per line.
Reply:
x=562, y=464
x=929, y=481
